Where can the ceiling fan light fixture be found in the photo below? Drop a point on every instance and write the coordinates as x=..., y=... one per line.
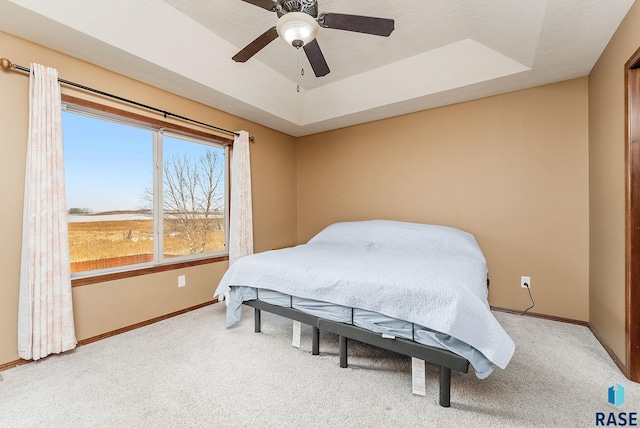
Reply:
x=297, y=28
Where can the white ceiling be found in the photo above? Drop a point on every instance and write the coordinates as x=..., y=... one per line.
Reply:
x=441, y=52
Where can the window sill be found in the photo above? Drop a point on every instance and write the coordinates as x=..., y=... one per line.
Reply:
x=78, y=282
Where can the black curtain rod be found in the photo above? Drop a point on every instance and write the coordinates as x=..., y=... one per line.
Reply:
x=6, y=64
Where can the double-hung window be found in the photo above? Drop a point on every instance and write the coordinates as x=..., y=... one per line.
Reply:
x=141, y=195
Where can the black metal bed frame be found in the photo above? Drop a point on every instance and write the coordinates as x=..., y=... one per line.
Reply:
x=444, y=359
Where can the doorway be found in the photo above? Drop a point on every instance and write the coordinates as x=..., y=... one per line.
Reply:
x=632, y=220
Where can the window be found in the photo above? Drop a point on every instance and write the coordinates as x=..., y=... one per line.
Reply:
x=139, y=195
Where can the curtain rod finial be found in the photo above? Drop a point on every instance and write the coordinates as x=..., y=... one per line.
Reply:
x=5, y=63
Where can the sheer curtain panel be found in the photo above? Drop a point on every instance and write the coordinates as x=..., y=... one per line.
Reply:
x=45, y=312
x=241, y=221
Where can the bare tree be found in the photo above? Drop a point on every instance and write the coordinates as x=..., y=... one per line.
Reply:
x=193, y=197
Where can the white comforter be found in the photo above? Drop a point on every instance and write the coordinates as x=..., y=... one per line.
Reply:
x=434, y=276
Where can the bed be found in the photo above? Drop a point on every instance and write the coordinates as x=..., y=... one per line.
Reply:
x=416, y=289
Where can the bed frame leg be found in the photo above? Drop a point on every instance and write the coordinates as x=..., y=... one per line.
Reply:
x=315, y=342
x=343, y=351
x=445, y=386
x=256, y=317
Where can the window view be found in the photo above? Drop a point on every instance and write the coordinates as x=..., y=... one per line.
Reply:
x=117, y=201
x=193, y=202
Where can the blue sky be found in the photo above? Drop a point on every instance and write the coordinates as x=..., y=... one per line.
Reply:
x=108, y=165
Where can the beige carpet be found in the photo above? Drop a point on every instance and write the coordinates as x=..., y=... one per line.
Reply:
x=189, y=371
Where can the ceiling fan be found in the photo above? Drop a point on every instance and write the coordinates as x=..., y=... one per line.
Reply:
x=298, y=25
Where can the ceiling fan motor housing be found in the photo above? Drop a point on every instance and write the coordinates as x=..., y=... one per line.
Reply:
x=310, y=7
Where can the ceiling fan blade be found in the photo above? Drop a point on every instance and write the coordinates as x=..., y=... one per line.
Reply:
x=254, y=47
x=357, y=23
x=316, y=58
x=265, y=4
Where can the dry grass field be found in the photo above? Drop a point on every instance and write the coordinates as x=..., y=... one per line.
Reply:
x=99, y=240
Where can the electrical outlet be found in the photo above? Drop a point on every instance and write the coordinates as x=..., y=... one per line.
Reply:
x=525, y=282
x=182, y=281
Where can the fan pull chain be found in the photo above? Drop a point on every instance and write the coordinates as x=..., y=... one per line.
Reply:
x=297, y=68
x=301, y=74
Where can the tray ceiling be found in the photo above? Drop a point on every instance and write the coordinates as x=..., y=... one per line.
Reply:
x=441, y=52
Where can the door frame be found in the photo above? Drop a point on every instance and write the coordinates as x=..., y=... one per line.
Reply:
x=632, y=216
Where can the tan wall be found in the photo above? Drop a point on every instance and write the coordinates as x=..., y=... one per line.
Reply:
x=511, y=169
x=104, y=307
x=607, y=184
